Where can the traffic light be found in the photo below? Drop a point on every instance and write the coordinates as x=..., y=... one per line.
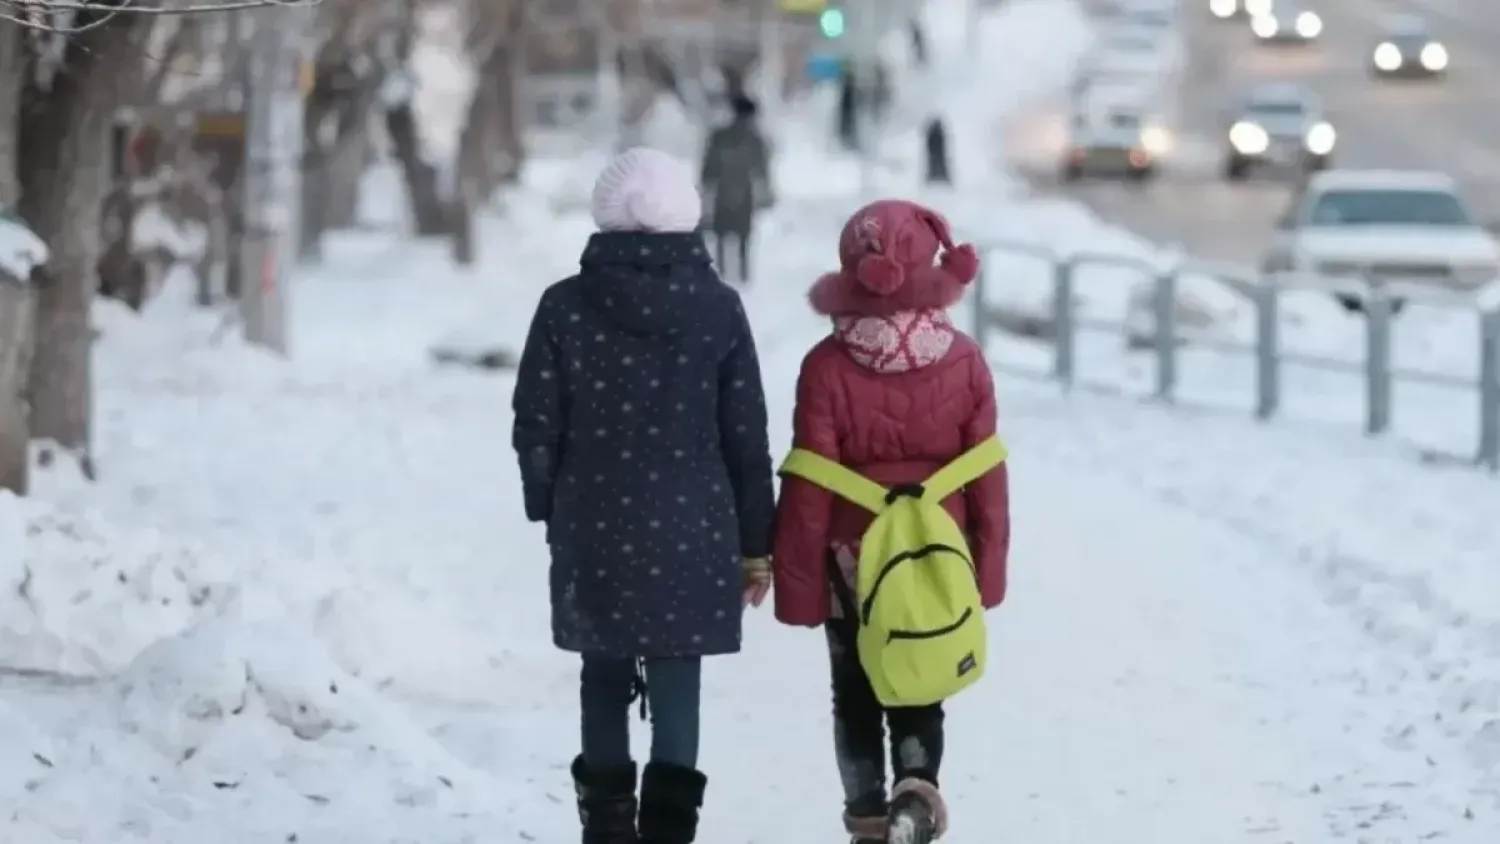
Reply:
x=831, y=21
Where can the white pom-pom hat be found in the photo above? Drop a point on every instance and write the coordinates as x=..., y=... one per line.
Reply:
x=645, y=189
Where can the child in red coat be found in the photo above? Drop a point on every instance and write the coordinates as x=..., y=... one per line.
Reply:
x=895, y=392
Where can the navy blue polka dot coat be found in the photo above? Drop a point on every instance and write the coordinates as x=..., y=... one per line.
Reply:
x=640, y=425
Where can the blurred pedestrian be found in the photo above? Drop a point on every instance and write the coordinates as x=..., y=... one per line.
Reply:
x=640, y=426
x=891, y=396
x=737, y=180
x=936, y=169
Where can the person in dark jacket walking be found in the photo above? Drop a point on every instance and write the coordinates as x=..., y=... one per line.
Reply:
x=737, y=178
x=640, y=426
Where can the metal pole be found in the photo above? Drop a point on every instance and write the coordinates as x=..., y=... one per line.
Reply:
x=971, y=29
x=273, y=155
x=608, y=83
x=865, y=35
x=772, y=60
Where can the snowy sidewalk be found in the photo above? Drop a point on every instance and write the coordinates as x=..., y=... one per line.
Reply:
x=1157, y=675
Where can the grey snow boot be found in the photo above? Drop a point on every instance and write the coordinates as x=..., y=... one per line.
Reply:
x=918, y=814
x=865, y=828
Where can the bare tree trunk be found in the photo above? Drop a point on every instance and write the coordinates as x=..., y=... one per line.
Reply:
x=478, y=138
x=120, y=272
x=64, y=139
x=15, y=300
x=504, y=73
x=421, y=177
x=346, y=172
x=314, y=216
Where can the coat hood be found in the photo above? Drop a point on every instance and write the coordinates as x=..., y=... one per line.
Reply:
x=649, y=283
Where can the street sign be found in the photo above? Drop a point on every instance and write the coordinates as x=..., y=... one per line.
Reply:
x=803, y=7
x=824, y=67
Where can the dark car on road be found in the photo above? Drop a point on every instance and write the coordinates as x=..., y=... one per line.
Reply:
x=1407, y=49
x=1280, y=127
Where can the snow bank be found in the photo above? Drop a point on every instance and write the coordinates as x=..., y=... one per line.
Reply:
x=168, y=688
x=234, y=732
x=81, y=596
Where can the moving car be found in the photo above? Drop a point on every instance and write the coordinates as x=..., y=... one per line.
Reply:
x=1381, y=226
x=1279, y=126
x=1118, y=140
x=1408, y=49
x=1286, y=22
x=1230, y=9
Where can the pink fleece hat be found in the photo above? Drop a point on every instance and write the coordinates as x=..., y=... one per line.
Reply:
x=895, y=255
x=645, y=189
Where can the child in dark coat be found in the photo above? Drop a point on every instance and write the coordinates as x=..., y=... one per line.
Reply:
x=640, y=425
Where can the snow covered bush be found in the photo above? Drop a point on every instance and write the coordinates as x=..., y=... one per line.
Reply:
x=80, y=596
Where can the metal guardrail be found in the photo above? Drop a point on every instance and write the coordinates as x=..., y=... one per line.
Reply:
x=1378, y=369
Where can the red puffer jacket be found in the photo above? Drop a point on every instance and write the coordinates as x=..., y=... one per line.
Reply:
x=894, y=428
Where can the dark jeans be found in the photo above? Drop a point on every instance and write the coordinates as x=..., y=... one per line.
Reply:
x=608, y=686
x=742, y=249
x=859, y=733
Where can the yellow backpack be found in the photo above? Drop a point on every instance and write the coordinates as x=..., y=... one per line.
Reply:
x=916, y=609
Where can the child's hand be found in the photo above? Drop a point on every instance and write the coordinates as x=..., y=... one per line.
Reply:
x=756, y=580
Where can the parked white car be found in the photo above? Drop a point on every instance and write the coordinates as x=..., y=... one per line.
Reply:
x=1380, y=226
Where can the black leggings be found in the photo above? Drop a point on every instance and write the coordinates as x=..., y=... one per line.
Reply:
x=607, y=688
x=859, y=732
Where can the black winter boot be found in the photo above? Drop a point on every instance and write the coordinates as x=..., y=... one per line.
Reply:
x=671, y=796
x=606, y=803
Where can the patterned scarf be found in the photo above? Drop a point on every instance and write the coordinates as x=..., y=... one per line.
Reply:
x=901, y=342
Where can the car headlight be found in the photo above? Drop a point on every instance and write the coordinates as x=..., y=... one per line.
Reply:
x=1264, y=26
x=1248, y=138
x=1387, y=57
x=1320, y=139
x=1434, y=57
x=1309, y=25
x=1156, y=140
x=1222, y=9
x=1258, y=8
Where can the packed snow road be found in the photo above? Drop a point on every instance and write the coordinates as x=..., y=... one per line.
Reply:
x=1163, y=670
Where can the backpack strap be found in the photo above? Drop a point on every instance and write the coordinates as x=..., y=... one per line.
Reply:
x=836, y=478
x=965, y=469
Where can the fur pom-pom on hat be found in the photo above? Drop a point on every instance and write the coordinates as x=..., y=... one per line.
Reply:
x=895, y=255
x=648, y=190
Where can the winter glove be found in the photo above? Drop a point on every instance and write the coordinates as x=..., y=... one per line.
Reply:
x=756, y=579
